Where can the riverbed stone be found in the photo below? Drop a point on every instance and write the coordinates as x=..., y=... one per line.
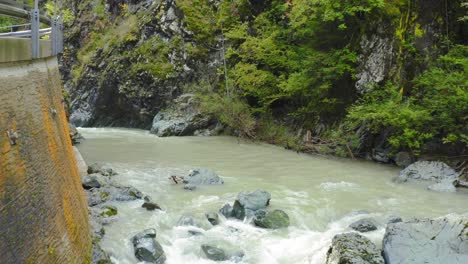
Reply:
x=441, y=240
x=147, y=248
x=187, y=220
x=249, y=202
x=213, y=218
x=364, y=225
x=353, y=248
x=435, y=171
x=271, y=220
x=190, y=187
x=394, y=219
x=99, y=256
x=92, y=181
x=214, y=253
x=226, y=210
x=101, y=169
x=203, y=177
x=151, y=206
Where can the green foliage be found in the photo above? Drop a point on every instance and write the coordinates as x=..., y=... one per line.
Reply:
x=435, y=108
x=232, y=112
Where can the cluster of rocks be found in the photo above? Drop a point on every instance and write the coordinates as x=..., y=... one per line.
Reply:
x=75, y=136
x=441, y=240
x=184, y=118
x=100, y=190
x=253, y=206
x=441, y=176
x=198, y=177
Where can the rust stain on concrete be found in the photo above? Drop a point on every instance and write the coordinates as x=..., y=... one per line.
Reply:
x=43, y=210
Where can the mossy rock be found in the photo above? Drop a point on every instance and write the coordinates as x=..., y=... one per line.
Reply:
x=109, y=211
x=272, y=220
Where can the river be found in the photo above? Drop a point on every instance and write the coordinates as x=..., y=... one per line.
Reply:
x=322, y=195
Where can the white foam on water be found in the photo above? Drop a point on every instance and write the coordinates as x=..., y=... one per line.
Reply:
x=342, y=186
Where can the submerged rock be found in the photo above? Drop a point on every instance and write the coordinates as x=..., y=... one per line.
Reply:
x=364, y=225
x=214, y=253
x=352, y=248
x=441, y=240
x=249, y=202
x=272, y=220
x=147, y=248
x=202, y=177
x=213, y=218
x=186, y=220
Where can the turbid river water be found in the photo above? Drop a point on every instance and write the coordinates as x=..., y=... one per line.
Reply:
x=321, y=195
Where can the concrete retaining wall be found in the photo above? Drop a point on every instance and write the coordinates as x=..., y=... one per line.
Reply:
x=19, y=49
x=43, y=209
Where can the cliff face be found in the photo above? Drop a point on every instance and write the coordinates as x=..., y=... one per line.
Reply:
x=122, y=72
x=43, y=210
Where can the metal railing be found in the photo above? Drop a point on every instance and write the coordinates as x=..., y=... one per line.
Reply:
x=34, y=14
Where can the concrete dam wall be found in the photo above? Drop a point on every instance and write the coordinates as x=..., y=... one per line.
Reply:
x=43, y=209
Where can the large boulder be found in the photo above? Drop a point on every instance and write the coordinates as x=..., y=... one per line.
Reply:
x=364, y=225
x=442, y=240
x=272, y=220
x=444, y=177
x=226, y=210
x=248, y=203
x=104, y=170
x=352, y=248
x=183, y=119
x=202, y=177
x=147, y=248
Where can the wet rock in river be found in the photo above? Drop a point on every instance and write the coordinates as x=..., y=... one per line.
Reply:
x=394, y=219
x=150, y=205
x=203, y=177
x=213, y=218
x=272, y=220
x=190, y=187
x=226, y=210
x=147, y=248
x=101, y=169
x=353, y=248
x=364, y=225
x=249, y=202
x=186, y=220
x=441, y=240
x=92, y=181
x=99, y=256
x=214, y=253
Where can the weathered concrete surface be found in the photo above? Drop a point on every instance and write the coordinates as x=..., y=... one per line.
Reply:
x=43, y=209
x=19, y=49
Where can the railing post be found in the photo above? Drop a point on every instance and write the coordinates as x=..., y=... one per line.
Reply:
x=59, y=35
x=35, y=31
x=53, y=36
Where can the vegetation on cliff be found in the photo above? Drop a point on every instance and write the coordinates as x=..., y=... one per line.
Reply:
x=288, y=66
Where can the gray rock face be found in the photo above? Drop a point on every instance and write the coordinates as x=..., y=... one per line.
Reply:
x=272, y=220
x=375, y=60
x=183, y=119
x=214, y=253
x=249, y=202
x=352, y=248
x=445, y=178
x=364, y=225
x=213, y=218
x=147, y=248
x=394, y=219
x=202, y=177
x=443, y=240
